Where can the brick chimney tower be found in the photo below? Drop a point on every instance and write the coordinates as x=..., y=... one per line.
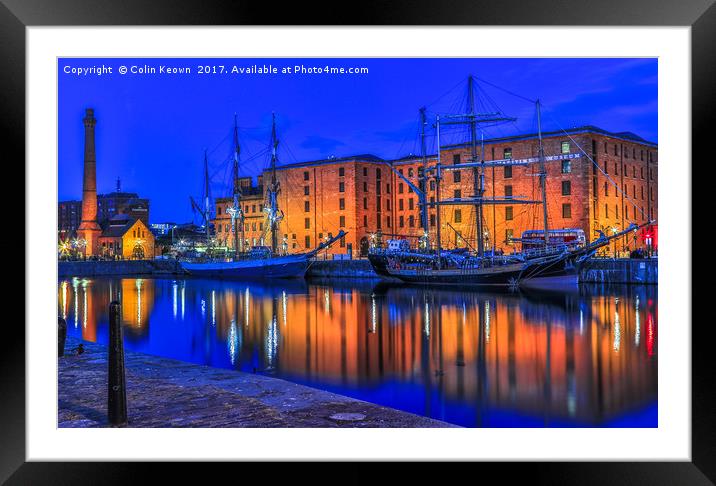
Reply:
x=89, y=230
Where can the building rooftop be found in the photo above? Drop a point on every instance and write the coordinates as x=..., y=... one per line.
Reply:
x=627, y=136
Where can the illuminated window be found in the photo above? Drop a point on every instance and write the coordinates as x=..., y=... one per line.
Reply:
x=509, y=234
x=565, y=147
x=507, y=153
x=566, y=166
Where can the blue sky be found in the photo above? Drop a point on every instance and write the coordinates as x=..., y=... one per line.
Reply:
x=152, y=129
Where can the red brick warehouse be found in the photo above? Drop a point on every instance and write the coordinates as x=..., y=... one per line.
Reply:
x=363, y=196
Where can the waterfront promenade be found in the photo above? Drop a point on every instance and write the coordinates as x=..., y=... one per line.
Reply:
x=164, y=392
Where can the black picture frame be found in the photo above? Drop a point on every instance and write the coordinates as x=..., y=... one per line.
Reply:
x=700, y=15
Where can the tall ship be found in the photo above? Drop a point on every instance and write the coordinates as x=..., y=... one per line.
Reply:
x=547, y=256
x=258, y=262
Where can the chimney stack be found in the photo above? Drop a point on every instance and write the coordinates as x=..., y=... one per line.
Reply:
x=89, y=230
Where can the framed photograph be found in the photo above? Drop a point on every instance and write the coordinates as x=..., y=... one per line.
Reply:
x=411, y=238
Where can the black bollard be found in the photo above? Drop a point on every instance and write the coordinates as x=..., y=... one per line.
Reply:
x=61, y=336
x=116, y=383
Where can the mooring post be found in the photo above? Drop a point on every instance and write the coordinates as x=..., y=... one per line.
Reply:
x=116, y=383
x=61, y=336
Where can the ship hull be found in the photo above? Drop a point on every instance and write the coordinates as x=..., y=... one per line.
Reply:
x=502, y=276
x=292, y=266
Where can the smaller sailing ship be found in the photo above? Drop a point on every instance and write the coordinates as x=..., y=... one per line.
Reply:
x=259, y=262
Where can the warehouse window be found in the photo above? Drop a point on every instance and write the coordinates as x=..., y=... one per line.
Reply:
x=400, y=188
x=307, y=241
x=508, y=172
x=509, y=234
x=456, y=176
x=341, y=172
x=305, y=176
x=456, y=158
x=400, y=204
x=401, y=221
x=410, y=203
x=432, y=220
x=307, y=223
x=365, y=171
x=508, y=191
x=457, y=194
x=306, y=206
x=341, y=187
x=508, y=213
x=566, y=166
x=411, y=221
x=342, y=222
x=341, y=204
x=566, y=188
x=457, y=216
x=306, y=190
x=566, y=211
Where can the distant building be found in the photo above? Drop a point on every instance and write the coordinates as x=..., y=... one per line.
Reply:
x=69, y=213
x=117, y=202
x=161, y=229
x=69, y=216
x=126, y=237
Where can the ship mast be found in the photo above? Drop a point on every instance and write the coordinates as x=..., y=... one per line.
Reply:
x=206, y=195
x=424, y=178
x=273, y=188
x=542, y=174
x=438, y=177
x=235, y=210
x=477, y=174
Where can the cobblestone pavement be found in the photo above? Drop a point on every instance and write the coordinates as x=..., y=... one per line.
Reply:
x=163, y=392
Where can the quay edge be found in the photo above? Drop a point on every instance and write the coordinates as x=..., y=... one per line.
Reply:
x=163, y=392
x=596, y=270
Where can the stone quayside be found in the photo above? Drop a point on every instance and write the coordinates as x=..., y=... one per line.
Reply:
x=164, y=392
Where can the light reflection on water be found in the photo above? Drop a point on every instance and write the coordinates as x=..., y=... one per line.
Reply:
x=470, y=358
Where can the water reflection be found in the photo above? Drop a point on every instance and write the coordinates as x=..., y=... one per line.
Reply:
x=471, y=358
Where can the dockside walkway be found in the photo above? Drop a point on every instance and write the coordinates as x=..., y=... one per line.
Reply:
x=164, y=392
